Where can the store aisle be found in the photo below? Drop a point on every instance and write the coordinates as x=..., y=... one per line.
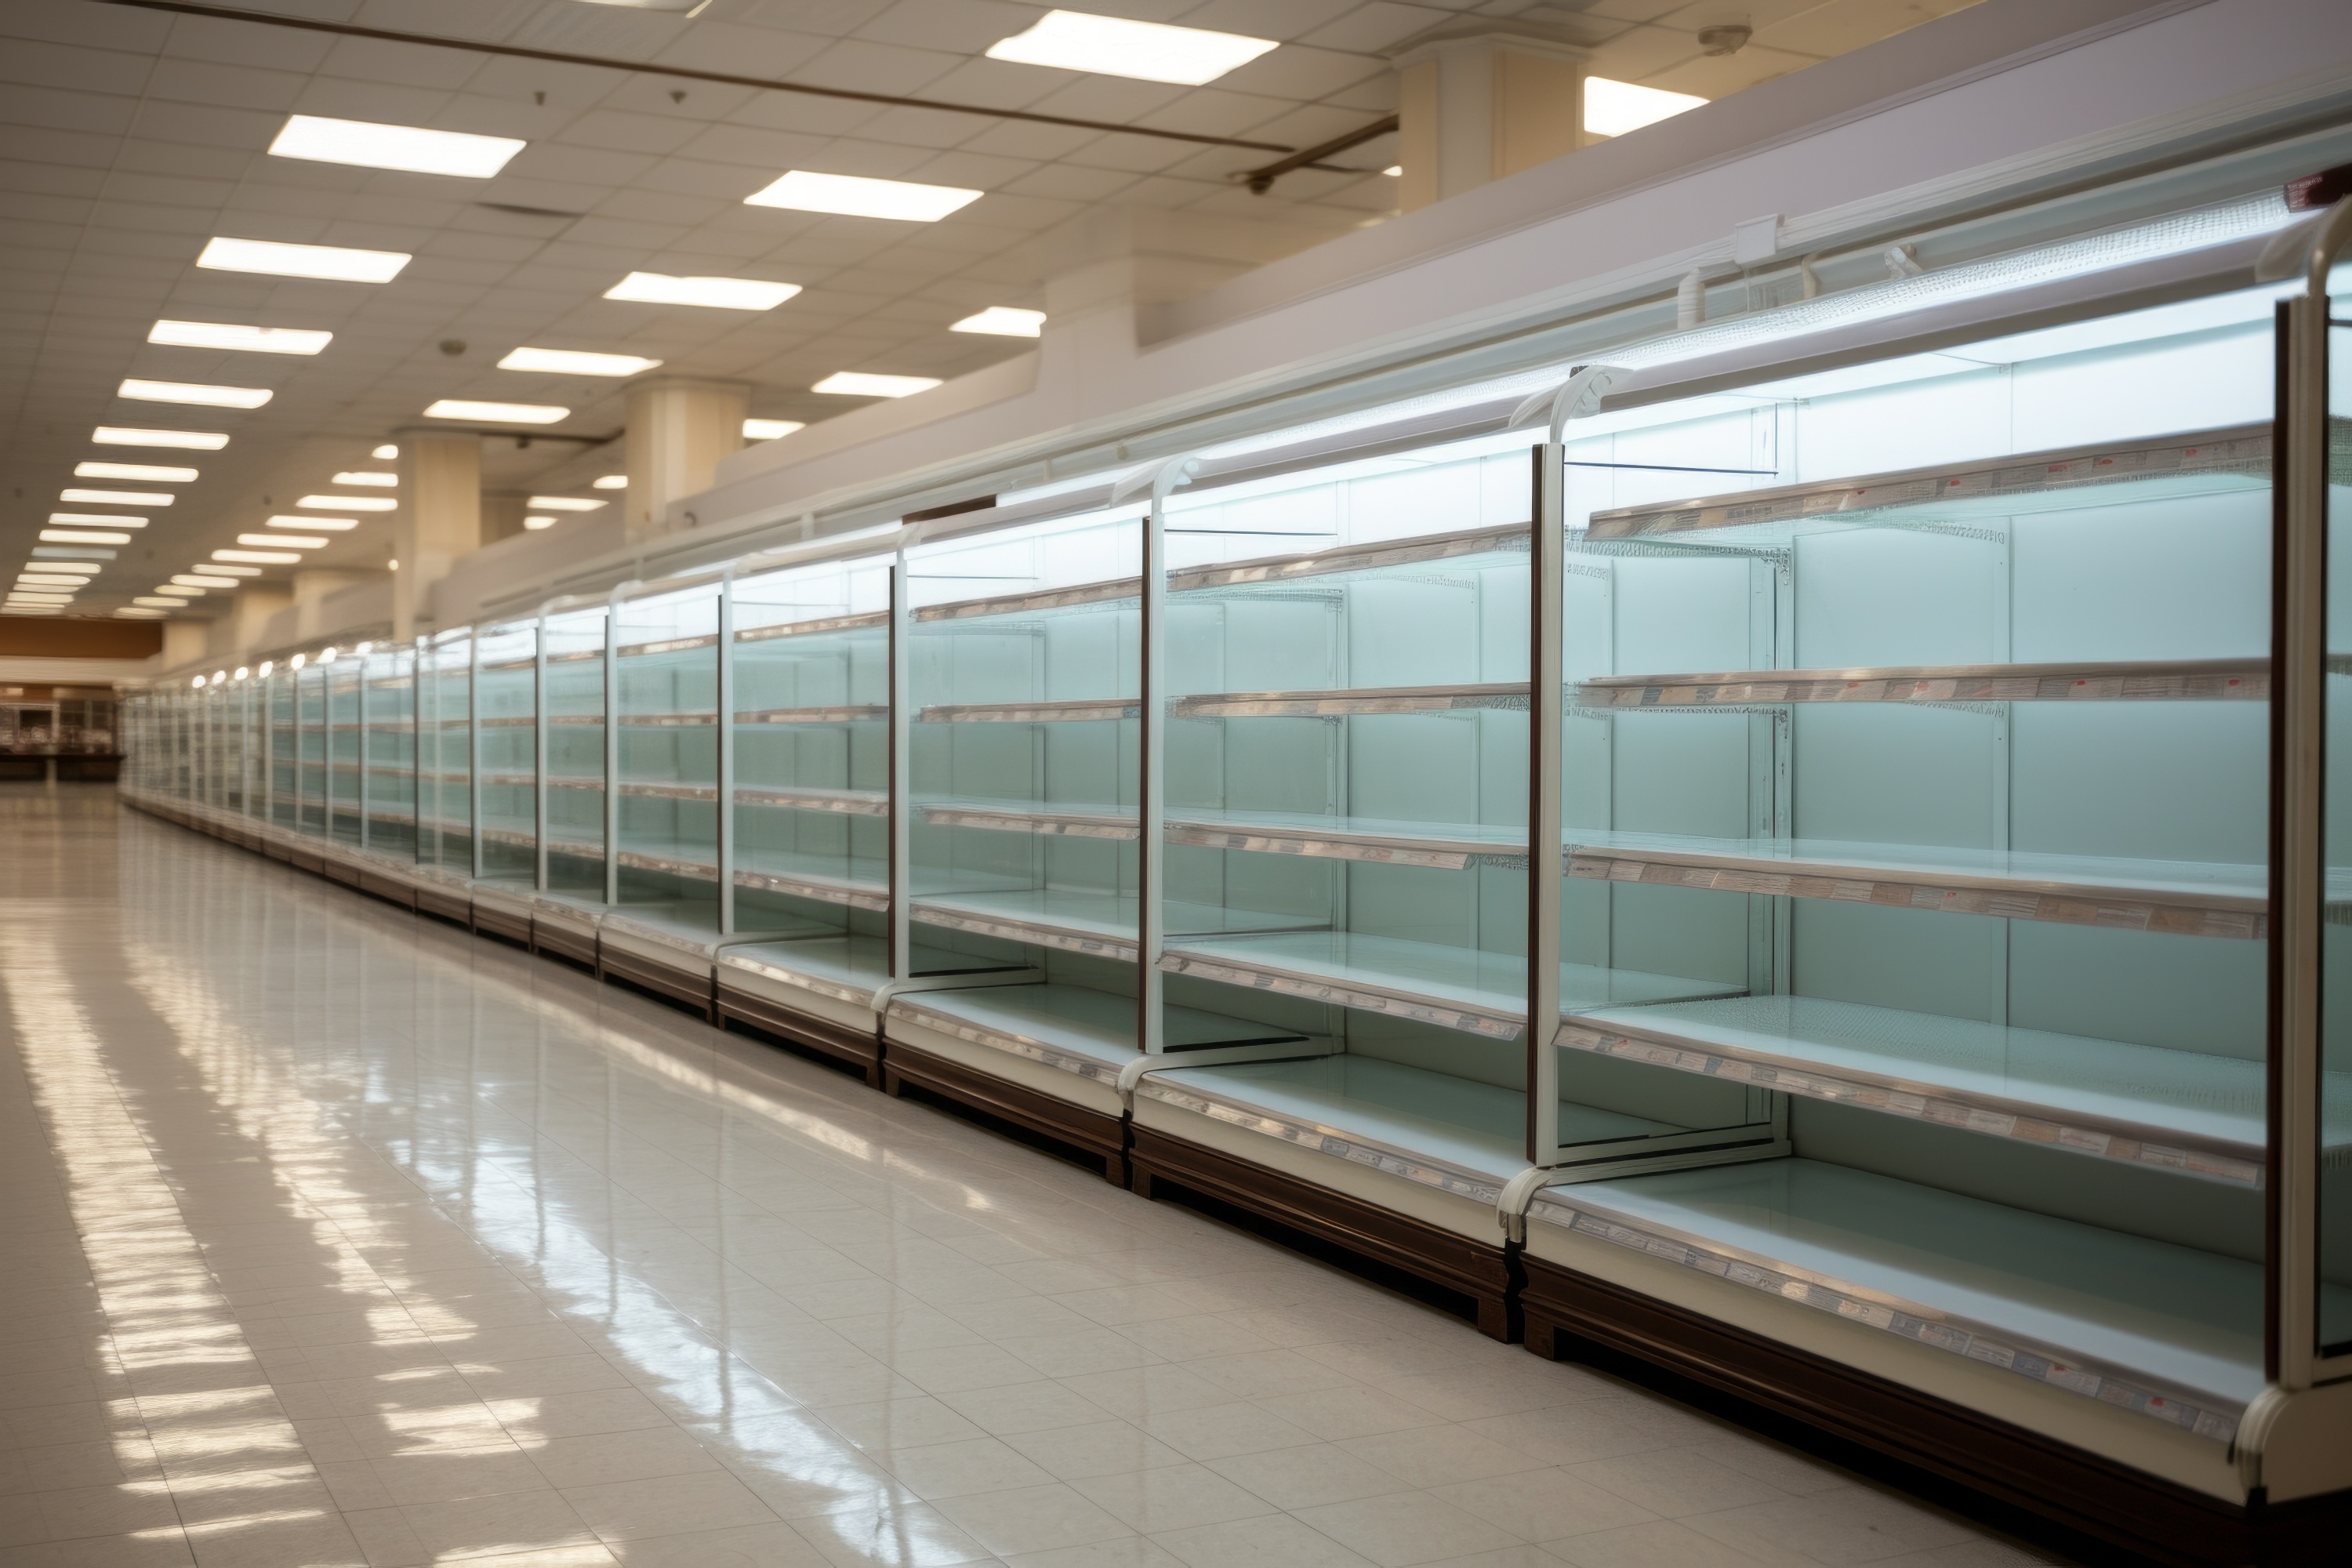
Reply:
x=336, y=1236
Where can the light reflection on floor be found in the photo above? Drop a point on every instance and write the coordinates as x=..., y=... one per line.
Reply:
x=335, y=1236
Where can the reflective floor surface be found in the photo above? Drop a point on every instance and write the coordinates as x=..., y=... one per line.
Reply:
x=336, y=1236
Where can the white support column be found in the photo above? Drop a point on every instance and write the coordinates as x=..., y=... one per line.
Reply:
x=1480, y=99
x=679, y=428
x=439, y=521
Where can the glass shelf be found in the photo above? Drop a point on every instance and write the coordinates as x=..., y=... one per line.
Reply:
x=1507, y=695
x=1441, y=846
x=1091, y=1033
x=1455, y=1133
x=662, y=720
x=1463, y=988
x=845, y=802
x=1079, y=921
x=850, y=714
x=852, y=881
x=1069, y=710
x=1077, y=596
x=2177, y=1111
x=851, y=967
x=2152, y=680
x=869, y=621
x=2201, y=463
x=2182, y=896
x=2167, y=1329
x=666, y=644
x=1462, y=547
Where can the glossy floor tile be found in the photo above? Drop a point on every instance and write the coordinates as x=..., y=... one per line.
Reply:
x=338, y=1237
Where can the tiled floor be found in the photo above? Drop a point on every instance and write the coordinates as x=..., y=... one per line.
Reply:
x=335, y=1236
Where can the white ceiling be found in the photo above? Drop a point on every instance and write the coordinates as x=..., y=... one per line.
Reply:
x=128, y=138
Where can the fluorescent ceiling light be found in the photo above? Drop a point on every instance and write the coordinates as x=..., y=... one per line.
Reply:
x=324, y=525
x=337, y=263
x=1002, y=322
x=575, y=362
x=129, y=614
x=865, y=384
x=154, y=473
x=285, y=541
x=45, y=563
x=565, y=504
x=261, y=557
x=1614, y=108
x=385, y=453
x=195, y=393
x=105, y=517
x=193, y=440
x=351, y=503
x=1112, y=45
x=191, y=580
x=762, y=430
x=409, y=148
x=52, y=580
x=1394, y=170
x=82, y=536
x=536, y=523
x=116, y=498
x=246, y=340
x=218, y=569
x=159, y=601
x=502, y=412
x=35, y=596
x=854, y=195
x=365, y=477
x=718, y=293
x=179, y=593
x=620, y=481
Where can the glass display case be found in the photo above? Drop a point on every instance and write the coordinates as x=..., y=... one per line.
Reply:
x=342, y=681
x=387, y=736
x=506, y=701
x=445, y=803
x=571, y=742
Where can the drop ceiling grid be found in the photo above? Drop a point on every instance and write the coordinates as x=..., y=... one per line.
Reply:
x=131, y=140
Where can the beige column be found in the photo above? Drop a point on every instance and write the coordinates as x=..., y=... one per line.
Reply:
x=679, y=429
x=440, y=518
x=1478, y=101
x=246, y=624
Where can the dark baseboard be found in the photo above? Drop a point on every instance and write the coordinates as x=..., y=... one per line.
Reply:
x=507, y=925
x=1089, y=1131
x=684, y=988
x=390, y=889
x=2078, y=1492
x=821, y=1036
x=444, y=904
x=1476, y=1270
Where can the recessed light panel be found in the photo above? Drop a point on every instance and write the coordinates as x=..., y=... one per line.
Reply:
x=496, y=412
x=324, y=525
x=50, y=579
x=191, y=580
x=241, y=339
x=218, y=569
x=194, y=392
x=536, y=523
x=769, y=430
x=133, y=613
x=106, y=518
x=1003, y=322
x=351, y=503
x=409, y=148
x=192, y=440
x=336, y=263
x=154, y=473
x=717, y=293
x=565, y=504
x=160, y=603
x=261, y=557
x=285, y=541
x=82, y=536
x=385, y=454
x=366, y=477
x=575, y=362
x=865, y=384
x=615, y=482
x=1614, y=108
x=1112, y=45
x=854, y=195
x=116, y=497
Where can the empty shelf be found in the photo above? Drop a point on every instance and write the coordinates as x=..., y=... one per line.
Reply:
x=1015, y=816
x=1077, y=921
x=1453, y=1133
x=1508, y=695
x=850, y=967
x=1510, y=539
x=2177, y=1110
x=662, y=720
x=847, y=714
x=666, y=645
x=1463, y=988
x=2181, y=897
x=2168, y=1330
x=1091, y=1033
x=2195, y=464
x=871, y=619
x=847, y=802
x=1078, y=595
x=1444, y=847
x=853, y=882
x=1065, y=710
x=2154, y=681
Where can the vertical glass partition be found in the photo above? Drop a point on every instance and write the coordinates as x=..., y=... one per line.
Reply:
x=444, y=760
x=574, y=742
x=285, y=780
x=389, y=733
x=345, y=698
x=666, y=667
x=2333, y=1309
x=505, y=694
x=310, y=748
x=810, y=699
